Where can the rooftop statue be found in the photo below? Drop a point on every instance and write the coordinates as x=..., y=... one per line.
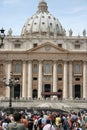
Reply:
x=84, y=32
x=70, y=32
x=9, y=32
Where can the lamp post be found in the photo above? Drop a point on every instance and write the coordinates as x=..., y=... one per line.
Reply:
x=10, y=85
x=2, y=35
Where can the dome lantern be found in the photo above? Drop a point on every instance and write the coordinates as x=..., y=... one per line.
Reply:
x=42, y=6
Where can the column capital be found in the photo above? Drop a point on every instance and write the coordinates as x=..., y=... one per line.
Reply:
x=40, y=61
x=65, y=61
x=24, y=61
x=84, y=62
x=9, y=61
x=70, y=62
x=29, y=61
x=55, y=61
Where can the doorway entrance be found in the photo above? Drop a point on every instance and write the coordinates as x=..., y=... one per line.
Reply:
x=77, y=91
x=35, y=93
x=17, y=91
x=47, y=88
x=59, y=94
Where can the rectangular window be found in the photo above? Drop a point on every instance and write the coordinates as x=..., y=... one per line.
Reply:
x=17, y=45
x=60, y=45
x=17, y=68
x=77, y=68
x=35, y=78
x=77, y=46
x=47, y=68
x=35, y=45
x=59, y=69
x=77, y=79
x=59, y=79
x=35, y=69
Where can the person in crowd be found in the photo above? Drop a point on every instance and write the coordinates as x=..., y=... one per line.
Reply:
x=65, y=123
x=48, y=125
x=35, y=122
x=69, y=121
x=30, y=123
x=7, y=118
x=78, y=127
x=4, y=124
x=24, y=120
x=16, y=125
x=40, y=124
x=83, y=122
x=58, y=121
x=1, y=125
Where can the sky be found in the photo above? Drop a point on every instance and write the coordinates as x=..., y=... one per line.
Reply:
x=71, y=14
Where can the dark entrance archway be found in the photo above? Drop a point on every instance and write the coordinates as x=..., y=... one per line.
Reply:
x=59, y=94
x=17, y=91
x=35, y=93
x=47, y=88
x=77, y=91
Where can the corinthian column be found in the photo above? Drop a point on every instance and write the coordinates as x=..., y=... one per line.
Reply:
x=9, y=69
x=70, y=81
x=65, y=81
x=40, y=80
x=84, y=80
x=54, y=77
x=29, y=79
x=24, y=80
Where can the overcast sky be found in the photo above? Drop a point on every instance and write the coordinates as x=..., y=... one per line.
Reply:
x=71, y=14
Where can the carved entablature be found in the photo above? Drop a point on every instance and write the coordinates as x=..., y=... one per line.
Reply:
x=15, y=40
x=77, y=56
x=47, y=56
x=3, y=57
x=78, y=41
x=10, y=57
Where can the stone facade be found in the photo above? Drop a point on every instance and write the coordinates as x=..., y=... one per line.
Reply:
x=47, y=64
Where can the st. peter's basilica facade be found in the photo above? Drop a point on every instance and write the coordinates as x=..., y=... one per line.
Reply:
x=45, y=62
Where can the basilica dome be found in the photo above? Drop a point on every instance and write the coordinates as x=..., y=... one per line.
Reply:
x=42, y=22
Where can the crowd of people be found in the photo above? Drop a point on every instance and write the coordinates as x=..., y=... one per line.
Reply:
x=45, y=120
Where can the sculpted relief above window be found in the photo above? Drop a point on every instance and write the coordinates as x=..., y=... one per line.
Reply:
x=47, y=47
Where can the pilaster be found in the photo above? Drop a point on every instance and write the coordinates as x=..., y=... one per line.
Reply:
x=29, y=79
x=40, y=80
x=65, y=90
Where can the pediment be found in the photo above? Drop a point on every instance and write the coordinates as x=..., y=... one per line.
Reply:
x=48, y=48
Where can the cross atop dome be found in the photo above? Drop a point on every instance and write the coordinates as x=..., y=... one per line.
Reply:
x=43, y=6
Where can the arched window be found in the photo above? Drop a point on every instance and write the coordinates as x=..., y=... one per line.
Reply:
x=35, y=69
x=77, y=68
x=17, y=68
x=59, y=69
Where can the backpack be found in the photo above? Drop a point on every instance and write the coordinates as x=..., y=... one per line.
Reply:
x=40, y=121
